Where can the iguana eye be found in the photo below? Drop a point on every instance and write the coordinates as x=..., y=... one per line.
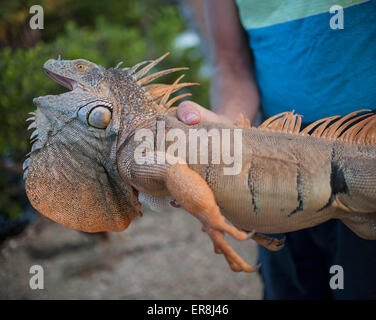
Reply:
x=81, y=67
x=99, y=117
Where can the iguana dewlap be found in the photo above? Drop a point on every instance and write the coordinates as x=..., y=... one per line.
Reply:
x=84, y=170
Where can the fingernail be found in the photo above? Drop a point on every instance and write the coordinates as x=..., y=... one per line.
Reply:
x=190, y=117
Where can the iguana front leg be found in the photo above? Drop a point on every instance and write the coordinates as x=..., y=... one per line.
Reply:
x=193, y=193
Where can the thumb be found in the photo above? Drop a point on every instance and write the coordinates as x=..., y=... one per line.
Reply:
x=188, y=112
x=191, y=113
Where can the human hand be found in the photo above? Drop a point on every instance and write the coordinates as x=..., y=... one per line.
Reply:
x=191, y=113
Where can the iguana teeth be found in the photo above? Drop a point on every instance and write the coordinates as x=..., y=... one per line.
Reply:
x=30, y=119
x=34, y=134
x=31, y=126
x=25, y=174
x=26, y=164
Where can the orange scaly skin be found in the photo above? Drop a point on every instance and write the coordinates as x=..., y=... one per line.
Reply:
x=84, y=173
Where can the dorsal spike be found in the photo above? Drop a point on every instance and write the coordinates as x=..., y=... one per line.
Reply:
x=266, y=123
x=298, y=124
x=312, y=125
x=295, y=122
x=350, y=135
x=363, y=135
x=332, y=130
x=133, y=69
x=173, y=100
x=343, y=127
x=318, y=131
x=279, y=124
x=288, y=122
x=34, y=135
x=291, y=122
x=242, y=122
x=169, y=92
x=146, y=69
x=289, y=117
x=32, y=125
x=159, y=90
x=119, y=64
x=156, y=75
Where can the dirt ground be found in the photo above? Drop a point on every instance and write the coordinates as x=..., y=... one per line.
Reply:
x=161, y=256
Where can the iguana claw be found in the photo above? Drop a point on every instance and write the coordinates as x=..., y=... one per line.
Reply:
x=270, y=243
x=221, y=246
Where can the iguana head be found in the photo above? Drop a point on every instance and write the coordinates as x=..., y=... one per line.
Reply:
x=71, y=173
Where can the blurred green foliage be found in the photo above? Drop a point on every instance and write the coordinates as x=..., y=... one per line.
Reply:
x=104, y=32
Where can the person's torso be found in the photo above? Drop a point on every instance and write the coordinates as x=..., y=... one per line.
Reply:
x=301, y=63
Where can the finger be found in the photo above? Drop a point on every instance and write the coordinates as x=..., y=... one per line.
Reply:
x=192, y=110
x=188, y=113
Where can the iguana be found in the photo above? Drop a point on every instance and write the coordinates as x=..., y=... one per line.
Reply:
x=84, y=170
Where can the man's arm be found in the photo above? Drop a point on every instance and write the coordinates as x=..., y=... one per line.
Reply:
x=233, y=87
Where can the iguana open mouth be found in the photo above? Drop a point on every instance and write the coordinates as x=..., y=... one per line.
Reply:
x=64, y=81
